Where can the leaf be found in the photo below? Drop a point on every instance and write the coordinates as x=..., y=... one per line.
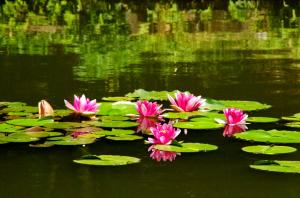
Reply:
x=262, y=119
x=117, y=108
x=18, y=139
x=295, y=117
x=272, y=136
x=23, y=114
x=277, y=166
x=115, y=118
x=244, y=105
x=115, y=132
x=181, y=115
x=116, y=124
x=205, y=124
x=29, y=122
x=124, y=137
x=108, y=160
x=118, y=98
x=269, y=150
x=7, y=128
x=62, y=112
x=64, y=125
x=186, y=147
x=70, y=141
x=150, y=95
x=293, y=124
x=35, y=134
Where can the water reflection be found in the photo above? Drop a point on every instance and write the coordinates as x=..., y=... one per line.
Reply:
x=145, y=124
x=230, y=130
x=159, y=155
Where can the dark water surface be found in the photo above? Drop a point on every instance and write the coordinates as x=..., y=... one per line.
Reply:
x=219, y=57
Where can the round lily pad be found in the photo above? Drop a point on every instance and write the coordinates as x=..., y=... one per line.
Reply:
x=7, y=128
x=107, y=160
x=69, y=141
x=198, y=125
x=29, y=122
x=262, y=119
x=272, y=136
x=116, y=132
x=295, y=117
x=186, y=147
x=117, y=124
x=269, y=150
x=19, y=139
x=181, y=115
x=124, y=137
x=150, y=95
x=118, y=98
x=64, y=125
x=244, y=105
x=117, y=108
x=277, y=166
x=62, y=112
x=114, y=118
x=293, y=124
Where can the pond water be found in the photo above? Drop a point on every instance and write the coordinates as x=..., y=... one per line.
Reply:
x=237, y=53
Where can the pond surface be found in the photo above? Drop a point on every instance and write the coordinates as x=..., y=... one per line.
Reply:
x=218, y=55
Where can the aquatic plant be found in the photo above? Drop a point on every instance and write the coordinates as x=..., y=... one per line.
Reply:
x=163, y=134
x=159, y=155
x=83, y=105
x=233, y=117
x=230, y=130
x=45, y=109
x=145, y=124
x=148, y=109
x=186, y=102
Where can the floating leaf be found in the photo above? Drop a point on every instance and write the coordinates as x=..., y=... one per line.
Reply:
x=43, y=145
x=18, y=139
x=293, y=124
x=115, y=124
x=295, y=117
x=21, y=108
x=262, y=119
x=115, y=118
x=124, y=137
x=277, y=166
x=186, y=147
x=118, y=98
x=181, y=115
x=269, y=150
x=35, y=134
x=150, y=95
x=69, y=141
x=23, y=114
x=205, y=124
x=7, y=128
x=244, y=105
x=116, y=132
x=64, y=125
x=62, y=112
x=272, y=136
x=29, y=122
x=107, y=160
x=117, y=108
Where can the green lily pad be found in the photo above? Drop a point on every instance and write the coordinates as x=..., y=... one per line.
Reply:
x=124, y=137
x=293, y=124
x=272, y=136
x=205, y=124
x=118, y=98
x=21, y=108
x=70, y=141
x=269, y=150
x=107, y=160
x=7, y=128
x=244, y=105
x=150, y=95
x=29, y=122
x=181, y=115
x=277, y=166
x=64, y=125
x=262, y=119
x=115, y=124
x=114, y=118
x=35, y=134
x=115, y=132
x=12, y=104
x=22, y=114
x=62, y=112
x=295, y=117
x=117, y=108
x=18, y=139
x=187, y=147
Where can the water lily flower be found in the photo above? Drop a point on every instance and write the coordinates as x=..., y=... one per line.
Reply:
x=83, y=105
x=163, y=134
x=230, y=130
x=186, y=102
x=148, y=109
x=159, y=155
x=235, y=116
x=45, y=109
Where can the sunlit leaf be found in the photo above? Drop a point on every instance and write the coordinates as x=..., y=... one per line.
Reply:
x=118, y=98
x=114, y=124
x=107, y=160
x=272, y=136
x=64, y=125
x=69, y=141
x=29, y=122
x=244, y=105
x=7, y=128
x=293, y=124
x=150, y=95
x=262, y=119
x=277, y=166
x=205, y=124
x=116, y=132
x=187, y=147
x=181, y=115
x=269, y=149
x=124, y=137
x=117, y=108
x=62, y=112
x=115, y=118
x=295, y=117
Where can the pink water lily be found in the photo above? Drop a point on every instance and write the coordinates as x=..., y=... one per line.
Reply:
x=230, y=130
x=83, y=105
x=186, y=102
x=159, y=155
x=148, y=109
x=235, y=116
x=163, y=134
x=45, y=109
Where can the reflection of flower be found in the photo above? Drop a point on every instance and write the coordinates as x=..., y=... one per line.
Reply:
x=235, y=116
x=148, y=109
x=163, y=134
x=186, y=102
x=45, y=109
x=145, y=124
x=230, y=130
x=83, y=105
x=162, y=155
x=76, y=134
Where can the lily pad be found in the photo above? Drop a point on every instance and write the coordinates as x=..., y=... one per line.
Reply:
x=244, y=105
x=118, y=98
x=181, y=115
x=277, y=166
x=43, y=145
x=115, y=118
x=107, y=160
x=116, y=132
x=269, y=150
x=35, y=134
x=124, y=137
x=198, y=125
x=29, y=122
x=117, y=108
x=150, y=95
x=7, y=128
x=272, y=136
x=70, y=141
x=62, y=112
x=293, y=124
x=295, y=117
x=18, y=139
x=22, y=114
x=262, y=119
x=64, y=125
x=116, y=124
x=187, y=147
